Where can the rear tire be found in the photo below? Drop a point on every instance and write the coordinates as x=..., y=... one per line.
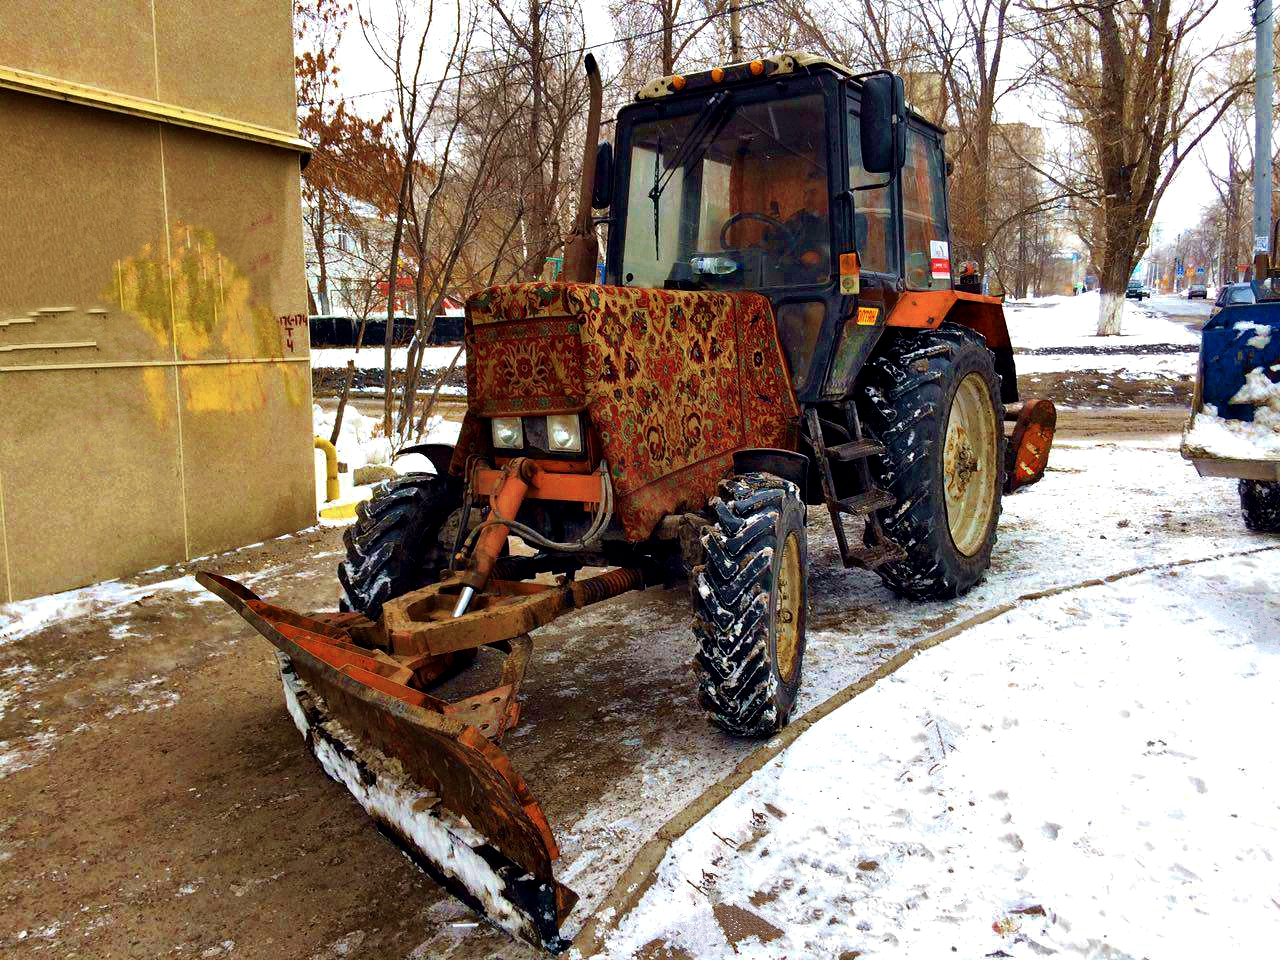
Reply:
x=933, y=399
x=1260, y=505
x=401, y=539
x=749, y=600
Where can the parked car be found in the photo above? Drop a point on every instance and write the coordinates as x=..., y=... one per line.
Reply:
x=1197, y=290
x=1234, y=293
x=1136, y=290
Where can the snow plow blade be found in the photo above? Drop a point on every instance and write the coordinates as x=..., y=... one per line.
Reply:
x=443, y=792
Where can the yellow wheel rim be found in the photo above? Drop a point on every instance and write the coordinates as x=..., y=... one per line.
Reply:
x=970, y=471
x=790, y=610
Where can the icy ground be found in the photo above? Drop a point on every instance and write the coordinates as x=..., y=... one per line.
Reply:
x=1080, y=776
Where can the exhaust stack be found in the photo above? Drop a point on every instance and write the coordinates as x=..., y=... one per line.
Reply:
x=582, y=249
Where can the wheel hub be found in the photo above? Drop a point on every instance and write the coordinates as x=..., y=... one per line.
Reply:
x=970, y=470
x=787, y=627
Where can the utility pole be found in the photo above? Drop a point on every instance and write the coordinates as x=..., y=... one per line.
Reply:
x=735, y=32
x=1264, y=31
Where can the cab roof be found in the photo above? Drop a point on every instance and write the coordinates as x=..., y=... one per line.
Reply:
x=780, y=64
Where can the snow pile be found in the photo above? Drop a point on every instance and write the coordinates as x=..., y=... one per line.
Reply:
x=373, y=358
x=361, y=441
x=1080, y=776
x=1260, y=391
x=1073, y=322
x=1210, y=435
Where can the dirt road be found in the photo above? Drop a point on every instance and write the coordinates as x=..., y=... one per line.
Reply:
x=156, y=799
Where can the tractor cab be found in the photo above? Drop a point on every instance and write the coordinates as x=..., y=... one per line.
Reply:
x=792, y=177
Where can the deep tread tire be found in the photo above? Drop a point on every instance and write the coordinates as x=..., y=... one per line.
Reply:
x=909, y=387
x=397, y=542
x=736, y=605
x=1260, y=505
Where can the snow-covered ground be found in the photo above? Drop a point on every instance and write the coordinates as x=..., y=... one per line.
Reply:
x=1060, y=321
x=372, y=358
x=1088, y=774
x=1133, y=365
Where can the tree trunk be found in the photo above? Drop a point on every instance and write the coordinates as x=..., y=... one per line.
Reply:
x=1112, y=281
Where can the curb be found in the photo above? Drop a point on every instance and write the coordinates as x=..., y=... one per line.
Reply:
x=643, y=870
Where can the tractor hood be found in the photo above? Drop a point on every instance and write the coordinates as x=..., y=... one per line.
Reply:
x=673, y=382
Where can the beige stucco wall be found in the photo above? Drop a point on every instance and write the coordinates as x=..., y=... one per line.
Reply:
x=155, y=395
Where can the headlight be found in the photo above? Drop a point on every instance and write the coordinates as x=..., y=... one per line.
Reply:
x=564, y=433
x=508, y=433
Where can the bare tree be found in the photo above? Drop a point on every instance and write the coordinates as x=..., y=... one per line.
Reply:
x=1142, y=96
x=342, y=141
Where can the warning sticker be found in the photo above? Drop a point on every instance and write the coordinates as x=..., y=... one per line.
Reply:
x=867, y=316
x=940, y=259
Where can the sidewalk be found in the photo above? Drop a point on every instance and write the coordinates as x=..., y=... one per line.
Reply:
x=1087, y=774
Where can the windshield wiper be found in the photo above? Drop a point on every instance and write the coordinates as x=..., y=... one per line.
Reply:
x=709, y=122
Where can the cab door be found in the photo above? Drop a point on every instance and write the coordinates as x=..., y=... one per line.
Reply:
x=873, y=230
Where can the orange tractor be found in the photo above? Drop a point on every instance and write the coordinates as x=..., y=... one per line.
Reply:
x=778, y=329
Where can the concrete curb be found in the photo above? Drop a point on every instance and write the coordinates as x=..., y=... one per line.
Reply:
x=643, y=870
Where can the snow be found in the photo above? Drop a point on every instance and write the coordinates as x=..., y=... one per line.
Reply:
x=380, y=785
x=1261, y=331
x=372, y=358
x=1212, y=436
x=362, y=443
x=24, y=617
x=1073, y=321
x=1082, y=775
x=1139, y=366
x=1261, y=391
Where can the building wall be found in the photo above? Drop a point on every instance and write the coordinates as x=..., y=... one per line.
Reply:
x=155, y=396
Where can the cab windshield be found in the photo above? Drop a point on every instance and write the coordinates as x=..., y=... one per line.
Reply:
x=742, y=205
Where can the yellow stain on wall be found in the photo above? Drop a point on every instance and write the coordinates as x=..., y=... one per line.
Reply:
x=201, y=299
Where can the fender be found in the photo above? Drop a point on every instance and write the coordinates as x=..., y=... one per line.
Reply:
x=928, y=309
x=787, y=464
x=440, y=455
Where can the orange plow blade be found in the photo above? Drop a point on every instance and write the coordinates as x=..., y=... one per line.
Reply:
x=440, y=789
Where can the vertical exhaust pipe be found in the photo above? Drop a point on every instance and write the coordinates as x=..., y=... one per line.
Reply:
x=582, y=249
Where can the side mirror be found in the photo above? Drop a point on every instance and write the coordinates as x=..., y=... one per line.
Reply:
x=884, y=144
x=602, y=182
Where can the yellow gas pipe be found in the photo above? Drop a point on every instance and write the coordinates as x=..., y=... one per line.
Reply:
x=331, y=489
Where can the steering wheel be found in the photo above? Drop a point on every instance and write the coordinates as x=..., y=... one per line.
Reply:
x=787, y=238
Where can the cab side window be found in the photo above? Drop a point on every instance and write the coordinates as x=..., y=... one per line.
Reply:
x=875, y=231
x=924, y=214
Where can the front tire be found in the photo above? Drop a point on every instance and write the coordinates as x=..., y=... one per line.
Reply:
x=933, y=399
x=750, y=599
x=1260, y=505
x=401, y=539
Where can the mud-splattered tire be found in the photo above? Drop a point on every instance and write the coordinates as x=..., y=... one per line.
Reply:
x=1260, y=505
x=400, y=541
x=933, y=400
x=749, y=602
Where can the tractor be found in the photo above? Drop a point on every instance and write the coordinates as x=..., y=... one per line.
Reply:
x=777, y=329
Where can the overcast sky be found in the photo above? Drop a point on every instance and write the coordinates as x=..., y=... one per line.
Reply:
x=1180, y=209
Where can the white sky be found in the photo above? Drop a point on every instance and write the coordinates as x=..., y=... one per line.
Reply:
x=1180, y=209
